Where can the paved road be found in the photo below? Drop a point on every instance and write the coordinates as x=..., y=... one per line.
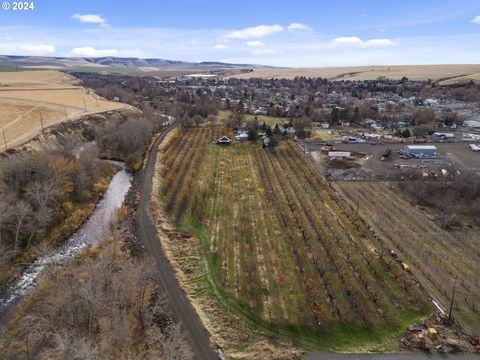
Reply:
x=147, y=233
x=409, y=356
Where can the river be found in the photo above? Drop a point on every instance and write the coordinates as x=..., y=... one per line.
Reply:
x=94, y=230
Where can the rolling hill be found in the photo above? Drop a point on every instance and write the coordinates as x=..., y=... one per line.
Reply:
x=116, y=65
x=164, y=68
x=444, y=74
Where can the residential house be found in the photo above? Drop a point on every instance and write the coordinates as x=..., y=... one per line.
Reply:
x=224, y=140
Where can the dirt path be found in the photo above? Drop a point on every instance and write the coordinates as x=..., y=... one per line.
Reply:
x=166, y=280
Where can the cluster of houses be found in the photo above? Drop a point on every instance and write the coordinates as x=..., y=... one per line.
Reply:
x=242, y=136
x=225, y=140
x=381, y=106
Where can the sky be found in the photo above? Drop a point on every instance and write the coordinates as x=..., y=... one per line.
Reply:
x=279, y=33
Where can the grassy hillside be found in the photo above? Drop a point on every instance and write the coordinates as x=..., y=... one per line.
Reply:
x=29, y=99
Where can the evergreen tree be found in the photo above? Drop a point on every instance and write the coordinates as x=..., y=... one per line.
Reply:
x=276, y=130
x=252, y=134
x=269, y=132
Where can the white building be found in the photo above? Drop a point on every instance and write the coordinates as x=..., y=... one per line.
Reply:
x=442, y=136
x=420, y=150
x=472, y=123
x=339, y=154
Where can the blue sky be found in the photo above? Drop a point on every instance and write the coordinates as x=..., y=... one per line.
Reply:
x=280, y=33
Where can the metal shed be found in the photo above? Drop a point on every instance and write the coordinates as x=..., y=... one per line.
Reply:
x=420, y=150
x=339, y=154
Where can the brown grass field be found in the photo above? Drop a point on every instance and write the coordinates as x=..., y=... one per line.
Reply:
x=439, y=259
x=28, y=97
x=443, y=73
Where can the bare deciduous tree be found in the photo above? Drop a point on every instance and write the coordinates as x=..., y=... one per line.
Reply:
x=22, y=212
x=42, y=193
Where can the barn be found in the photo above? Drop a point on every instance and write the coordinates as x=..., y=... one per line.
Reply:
x=420, y=150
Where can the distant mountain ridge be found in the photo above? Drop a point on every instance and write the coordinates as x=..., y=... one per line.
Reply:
x=149, y=64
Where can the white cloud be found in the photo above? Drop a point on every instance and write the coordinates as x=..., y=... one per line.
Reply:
x=282, y=49
x=255, y=43
x=91, y=19
x=36, y=49
x=89, y=51
x=255, y=32
x=220, y=47
x=476, y=20
x=377, y=43
x=299, y=27
x=355, y=40
x=261, y=51
x=347, y=40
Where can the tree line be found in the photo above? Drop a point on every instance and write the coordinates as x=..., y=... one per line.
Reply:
x=40, y=190
x=453, y=198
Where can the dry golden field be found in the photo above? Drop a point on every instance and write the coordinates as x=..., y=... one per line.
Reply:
x=442, y=73
x=30, y=97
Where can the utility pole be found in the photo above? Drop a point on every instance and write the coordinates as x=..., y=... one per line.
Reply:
x=84, y=103
x=4, y=139
x=41, y=120
x=450, y=318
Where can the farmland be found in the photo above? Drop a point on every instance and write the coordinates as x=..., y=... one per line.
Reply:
x=279, y=249
x=29, y=98
x=424, y=246
x=445, y=74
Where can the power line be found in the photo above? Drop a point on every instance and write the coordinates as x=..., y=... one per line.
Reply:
x=4, y=139
x=41, y=120
x=450, y=317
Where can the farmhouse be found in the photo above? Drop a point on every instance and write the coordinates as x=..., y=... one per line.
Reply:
x=339, y=154
x=224, y=140
x=420, y=150
x=241, y=137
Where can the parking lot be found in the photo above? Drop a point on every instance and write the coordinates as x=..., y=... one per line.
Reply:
x=367, y=159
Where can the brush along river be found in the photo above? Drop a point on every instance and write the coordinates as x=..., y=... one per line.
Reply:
x=94, y=230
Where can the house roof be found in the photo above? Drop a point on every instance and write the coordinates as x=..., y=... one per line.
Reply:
x=339, y=154
x=421, y=147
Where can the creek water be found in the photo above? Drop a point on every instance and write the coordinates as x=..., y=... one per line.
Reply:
x=94, y=230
